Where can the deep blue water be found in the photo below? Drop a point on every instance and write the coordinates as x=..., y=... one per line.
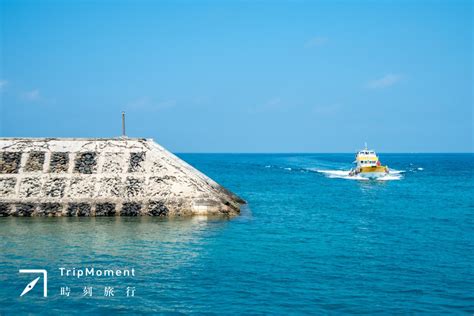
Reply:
x=305, y=244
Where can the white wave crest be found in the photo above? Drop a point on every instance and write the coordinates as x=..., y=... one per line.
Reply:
x=344, y=174
x=394, y=171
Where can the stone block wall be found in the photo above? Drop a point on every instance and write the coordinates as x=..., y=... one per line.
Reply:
x=103, y=177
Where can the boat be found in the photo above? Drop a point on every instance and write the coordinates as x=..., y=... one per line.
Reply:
x=368, y=165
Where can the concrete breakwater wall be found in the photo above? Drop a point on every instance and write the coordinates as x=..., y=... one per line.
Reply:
x=103, y=177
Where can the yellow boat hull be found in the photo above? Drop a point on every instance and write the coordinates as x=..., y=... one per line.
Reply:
x=372, y=172
x=374, y=169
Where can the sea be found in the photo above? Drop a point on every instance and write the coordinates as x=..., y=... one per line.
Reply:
x=310, y=240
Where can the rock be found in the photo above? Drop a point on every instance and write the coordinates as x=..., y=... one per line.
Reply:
x=85, y=163
x=35, y=161
x=54, y=187
x=136, y=160
x=10, y=162
x=105, y=209
x=131, y=209
x=4, y=209
x=157, y=208
x=49, y=209
x=59, y=162
x=79, y=209
x=30, y=187
x=134, y=187
x=24, y=209
x=7, y=187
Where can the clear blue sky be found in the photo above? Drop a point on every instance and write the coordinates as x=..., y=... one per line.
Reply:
x=242, y=76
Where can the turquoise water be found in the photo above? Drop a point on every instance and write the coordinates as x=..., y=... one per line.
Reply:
x=305, y=244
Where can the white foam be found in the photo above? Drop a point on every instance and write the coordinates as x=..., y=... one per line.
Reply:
x=394, y=171
x=420, y=169
x=334, y=172
x=344, y=174
x=390, y=177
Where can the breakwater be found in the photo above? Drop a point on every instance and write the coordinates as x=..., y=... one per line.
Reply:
x=104, y=177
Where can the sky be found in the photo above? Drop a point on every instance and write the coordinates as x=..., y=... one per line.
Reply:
x=242, y=76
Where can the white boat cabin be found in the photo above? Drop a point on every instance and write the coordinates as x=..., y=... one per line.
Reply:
x=366, y=158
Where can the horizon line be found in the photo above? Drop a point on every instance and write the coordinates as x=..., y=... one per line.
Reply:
x=330, y=153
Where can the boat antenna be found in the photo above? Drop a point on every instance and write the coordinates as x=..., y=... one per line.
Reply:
x=365, y=145
x=123, y=125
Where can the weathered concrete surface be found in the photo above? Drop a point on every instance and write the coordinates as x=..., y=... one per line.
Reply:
x=104, y=177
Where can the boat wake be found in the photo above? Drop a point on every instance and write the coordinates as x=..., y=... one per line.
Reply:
x=344, y=174
x=335, y=169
